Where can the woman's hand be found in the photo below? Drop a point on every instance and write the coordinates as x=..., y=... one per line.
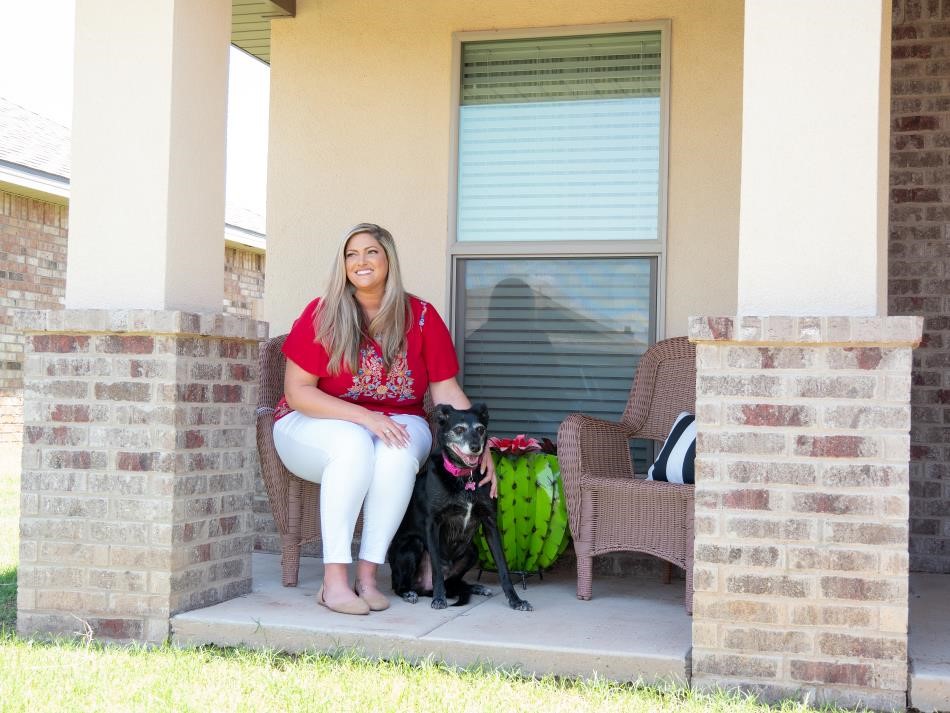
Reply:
x=488, y=469
x=300, y=388
x=389, y=431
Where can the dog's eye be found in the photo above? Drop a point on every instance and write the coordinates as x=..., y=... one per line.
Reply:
x=480, y=430
x=458, y=430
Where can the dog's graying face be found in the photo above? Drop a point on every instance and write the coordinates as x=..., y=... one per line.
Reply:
x=463, y=433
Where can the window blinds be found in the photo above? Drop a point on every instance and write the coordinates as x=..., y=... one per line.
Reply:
x=559, y=138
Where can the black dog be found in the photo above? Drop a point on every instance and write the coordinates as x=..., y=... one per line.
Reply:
x=433, y=547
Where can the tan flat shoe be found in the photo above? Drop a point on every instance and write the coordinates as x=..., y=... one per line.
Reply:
x=376, y=600
x=355, y=606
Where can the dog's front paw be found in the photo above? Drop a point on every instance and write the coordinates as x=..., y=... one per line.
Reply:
x=481, y=590
x=439, y=603
x=520, y=605
x=410, y=597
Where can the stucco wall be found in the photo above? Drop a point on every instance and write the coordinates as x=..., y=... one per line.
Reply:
x=360, y=130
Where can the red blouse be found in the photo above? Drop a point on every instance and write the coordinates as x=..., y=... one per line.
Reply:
x=429, y=356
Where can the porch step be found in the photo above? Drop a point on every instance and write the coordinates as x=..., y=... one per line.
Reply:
x=634, y=628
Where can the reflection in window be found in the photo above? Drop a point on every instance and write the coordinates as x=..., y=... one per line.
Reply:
x=544, y=337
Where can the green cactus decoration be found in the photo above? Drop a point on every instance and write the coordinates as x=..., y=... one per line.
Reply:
x=532, y=514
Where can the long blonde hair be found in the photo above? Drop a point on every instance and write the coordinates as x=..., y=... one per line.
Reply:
x=339, y=322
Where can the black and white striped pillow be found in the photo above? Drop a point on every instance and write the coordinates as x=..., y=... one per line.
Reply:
x=678, y=455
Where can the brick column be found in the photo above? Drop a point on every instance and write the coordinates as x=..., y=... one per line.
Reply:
x=802, y=506
x=137, y=468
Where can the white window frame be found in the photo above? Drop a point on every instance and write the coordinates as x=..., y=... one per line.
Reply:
x=458, y=251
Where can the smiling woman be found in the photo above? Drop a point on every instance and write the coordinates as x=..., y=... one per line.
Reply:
x=359, y=362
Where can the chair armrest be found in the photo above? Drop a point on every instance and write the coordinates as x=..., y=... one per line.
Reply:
x=590, y=447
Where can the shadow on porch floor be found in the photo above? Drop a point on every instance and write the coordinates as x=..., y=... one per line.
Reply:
x=633, y=628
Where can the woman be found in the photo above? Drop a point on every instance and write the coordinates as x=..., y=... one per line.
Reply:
x=359, y=362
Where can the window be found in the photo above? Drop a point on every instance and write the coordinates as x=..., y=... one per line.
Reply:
x=559, y=138
x=560, y=221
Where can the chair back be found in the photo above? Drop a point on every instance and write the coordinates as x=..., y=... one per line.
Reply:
x=664, y=387
x=272, y=364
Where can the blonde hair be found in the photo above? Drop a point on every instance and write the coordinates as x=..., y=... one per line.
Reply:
x=339, y=322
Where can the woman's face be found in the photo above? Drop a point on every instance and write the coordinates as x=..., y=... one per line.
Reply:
x=366, y=264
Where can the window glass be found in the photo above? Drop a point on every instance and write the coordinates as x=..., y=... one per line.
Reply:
x=542, y=338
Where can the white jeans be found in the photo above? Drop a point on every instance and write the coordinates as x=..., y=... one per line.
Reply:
x=355, y=469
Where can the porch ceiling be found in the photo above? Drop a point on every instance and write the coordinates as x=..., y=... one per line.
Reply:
x=250, y=24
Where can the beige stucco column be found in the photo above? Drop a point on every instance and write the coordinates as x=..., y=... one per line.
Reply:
x=803, y=399
x=138, y=456
x=815, y=127
x=148, y=155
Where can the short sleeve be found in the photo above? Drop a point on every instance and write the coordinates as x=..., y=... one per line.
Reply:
x=301, y=346
x=437, y=348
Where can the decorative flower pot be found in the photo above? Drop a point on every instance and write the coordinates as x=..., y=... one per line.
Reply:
x=532, y=513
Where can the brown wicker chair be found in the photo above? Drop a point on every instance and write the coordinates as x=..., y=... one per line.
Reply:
x=612, y=510
x=294, y=502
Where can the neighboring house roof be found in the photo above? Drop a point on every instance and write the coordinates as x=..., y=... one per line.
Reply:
x=34, y=150
x=244, y=226
x=35, y=153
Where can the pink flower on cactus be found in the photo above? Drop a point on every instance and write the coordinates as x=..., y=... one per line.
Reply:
x=519, y=445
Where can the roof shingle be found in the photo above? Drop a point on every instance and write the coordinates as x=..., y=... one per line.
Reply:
x=33, y=141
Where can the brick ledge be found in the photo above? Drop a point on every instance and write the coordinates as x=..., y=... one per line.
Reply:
x=140, y=321
x=775, y=331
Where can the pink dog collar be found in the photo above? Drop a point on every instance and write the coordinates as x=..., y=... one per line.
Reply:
x=459, y=472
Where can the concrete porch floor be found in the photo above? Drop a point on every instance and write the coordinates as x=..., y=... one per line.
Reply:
x=633, y=628
x=929, y=642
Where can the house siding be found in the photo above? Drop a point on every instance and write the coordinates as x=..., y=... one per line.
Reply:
x=32, y=276
x=243, y=282
x=33, y=251
x=919, y=258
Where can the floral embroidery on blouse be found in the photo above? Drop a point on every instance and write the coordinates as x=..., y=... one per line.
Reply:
x=368, y=381
x=422, y=315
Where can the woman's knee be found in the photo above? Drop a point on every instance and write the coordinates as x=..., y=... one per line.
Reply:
x=397, y=461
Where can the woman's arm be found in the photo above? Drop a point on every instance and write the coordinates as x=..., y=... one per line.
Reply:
x=302, y=394
x=449, y=392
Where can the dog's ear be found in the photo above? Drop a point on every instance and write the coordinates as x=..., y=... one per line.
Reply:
x=442, y=412
x=481, y=410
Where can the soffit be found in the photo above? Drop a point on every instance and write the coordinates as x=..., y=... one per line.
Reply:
x=250, y=24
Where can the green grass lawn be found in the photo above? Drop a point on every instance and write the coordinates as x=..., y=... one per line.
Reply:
x=86, y=676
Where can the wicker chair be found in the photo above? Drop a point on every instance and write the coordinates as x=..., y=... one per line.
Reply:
x=294, y=502
x=612, y=510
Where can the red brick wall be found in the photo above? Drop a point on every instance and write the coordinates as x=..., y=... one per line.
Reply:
x=33, y=276
x=243, y=282
x=919, y=260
